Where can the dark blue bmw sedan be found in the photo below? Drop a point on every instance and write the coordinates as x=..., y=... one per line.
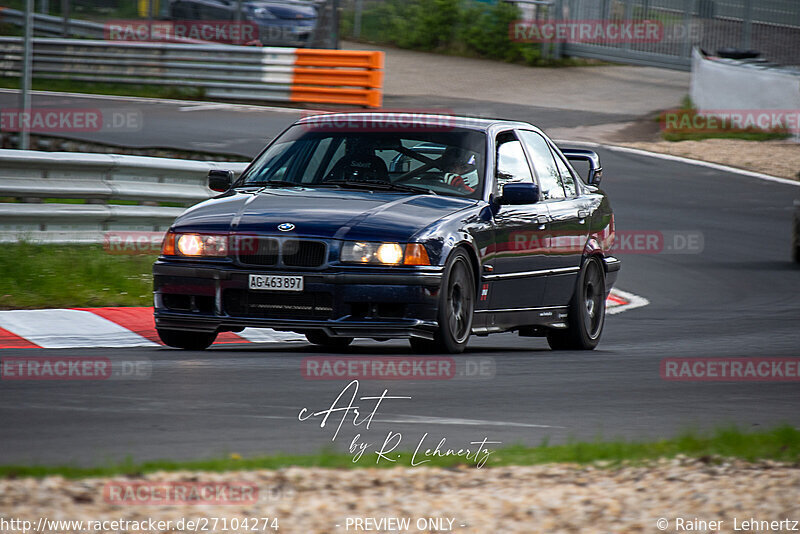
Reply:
x=393, y=225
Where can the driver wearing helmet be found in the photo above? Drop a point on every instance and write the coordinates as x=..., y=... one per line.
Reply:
x=459, y=168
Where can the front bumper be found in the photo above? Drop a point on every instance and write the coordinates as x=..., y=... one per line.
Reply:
x=341, y=301
x=285, y=33
x=612, y=266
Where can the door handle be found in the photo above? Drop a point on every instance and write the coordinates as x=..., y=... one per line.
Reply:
x=542, y=221
x=582, y=214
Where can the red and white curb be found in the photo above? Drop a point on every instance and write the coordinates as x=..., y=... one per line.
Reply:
x=103, y=327
x=135, y=327
x=620, y=301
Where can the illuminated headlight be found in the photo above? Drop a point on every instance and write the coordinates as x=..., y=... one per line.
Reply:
x=195, y=245
x=365, y=252
x=384, y=253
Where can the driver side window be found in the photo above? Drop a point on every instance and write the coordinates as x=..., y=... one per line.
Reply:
x=545, y=165
x=512, y=166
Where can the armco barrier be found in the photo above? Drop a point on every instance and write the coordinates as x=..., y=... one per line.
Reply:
x=50, y=25
x=99, y=179
x=351, y=77
x=733, y=84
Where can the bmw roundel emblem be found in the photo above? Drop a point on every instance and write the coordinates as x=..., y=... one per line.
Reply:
x=286, y=227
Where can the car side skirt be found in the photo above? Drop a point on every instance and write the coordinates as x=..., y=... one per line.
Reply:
x=503, y=320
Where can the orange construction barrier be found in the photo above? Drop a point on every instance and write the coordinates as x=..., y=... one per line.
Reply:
x=351, y=77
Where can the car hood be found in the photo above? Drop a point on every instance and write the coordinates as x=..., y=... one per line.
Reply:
x=322, y=213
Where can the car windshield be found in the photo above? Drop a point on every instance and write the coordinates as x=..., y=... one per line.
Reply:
x=444, y=162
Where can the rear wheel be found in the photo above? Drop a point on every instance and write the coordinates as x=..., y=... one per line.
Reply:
x=456, y=306
x=182, y=339
x=322, y=339
x=587, y=311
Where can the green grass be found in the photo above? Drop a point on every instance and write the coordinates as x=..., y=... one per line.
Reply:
x=10, y=30
x=780, y=444
x=688, y=112
x=743, y=135
x=72, y=276
x=116, y=89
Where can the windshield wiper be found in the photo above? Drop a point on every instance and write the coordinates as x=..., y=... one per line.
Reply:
x=379, y=184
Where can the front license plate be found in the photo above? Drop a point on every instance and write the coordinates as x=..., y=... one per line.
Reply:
x=276, y=283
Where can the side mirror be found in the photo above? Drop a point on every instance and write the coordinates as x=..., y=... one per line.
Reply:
x=520, y=193
x=220, y=181
x=586, y=156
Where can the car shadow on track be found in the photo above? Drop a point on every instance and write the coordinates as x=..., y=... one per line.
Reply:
x=361, y=350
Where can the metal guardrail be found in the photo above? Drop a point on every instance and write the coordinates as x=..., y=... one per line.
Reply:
x=51, y=26
x=54, y=26
x=98, y=179
x=254, y=73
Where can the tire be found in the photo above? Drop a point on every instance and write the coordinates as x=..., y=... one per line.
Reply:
x=317, y=337
x=456, y=308
x=587, y=311
x=181, y=339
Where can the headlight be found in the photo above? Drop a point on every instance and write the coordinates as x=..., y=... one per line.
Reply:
x=190, y=245
x=195, y=245
x=383, y=253
x=263, y=13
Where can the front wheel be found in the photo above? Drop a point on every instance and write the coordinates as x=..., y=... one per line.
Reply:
x=587, y=311
x=182, y=339
x=456, y=306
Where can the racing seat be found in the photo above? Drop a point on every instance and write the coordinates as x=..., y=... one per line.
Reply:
x=359, y=167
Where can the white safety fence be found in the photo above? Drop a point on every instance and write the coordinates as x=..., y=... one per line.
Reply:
x=98, y=180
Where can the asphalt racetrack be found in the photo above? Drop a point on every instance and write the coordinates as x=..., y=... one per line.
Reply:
x=737, y=297
x=242, y=130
